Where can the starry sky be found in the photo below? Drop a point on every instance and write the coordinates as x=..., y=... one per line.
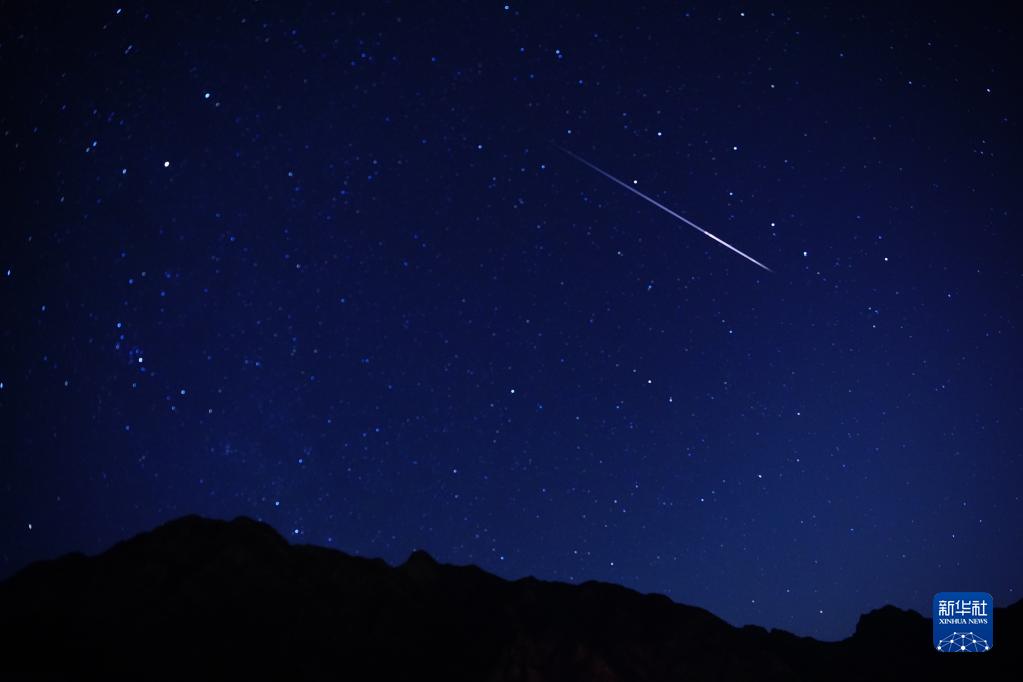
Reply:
x=325, y=265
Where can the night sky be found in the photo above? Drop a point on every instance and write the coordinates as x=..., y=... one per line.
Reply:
x=329, y=268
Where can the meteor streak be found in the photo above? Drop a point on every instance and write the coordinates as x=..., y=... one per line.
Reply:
x=664, y=208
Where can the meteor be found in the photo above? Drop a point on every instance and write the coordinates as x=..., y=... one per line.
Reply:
x=664, y=208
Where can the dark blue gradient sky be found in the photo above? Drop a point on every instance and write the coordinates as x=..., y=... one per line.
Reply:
x=326, y=267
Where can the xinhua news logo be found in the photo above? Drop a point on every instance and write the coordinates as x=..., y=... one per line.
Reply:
x=964, y=622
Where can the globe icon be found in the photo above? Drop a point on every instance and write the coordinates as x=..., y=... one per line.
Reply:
x=962, y=641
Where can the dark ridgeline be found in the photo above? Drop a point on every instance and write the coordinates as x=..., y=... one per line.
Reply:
x=204, y=598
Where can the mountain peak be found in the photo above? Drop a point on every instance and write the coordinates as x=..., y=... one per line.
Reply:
x=888, y=621
x=235, y=599
x=421, y=566
x=421, y=557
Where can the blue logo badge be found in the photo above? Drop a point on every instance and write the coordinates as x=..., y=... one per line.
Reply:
x=963, y=621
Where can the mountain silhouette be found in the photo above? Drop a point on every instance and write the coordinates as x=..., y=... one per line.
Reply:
x=201, y=598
